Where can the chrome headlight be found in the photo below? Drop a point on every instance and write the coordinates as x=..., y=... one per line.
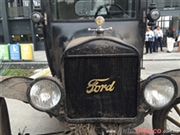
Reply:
x=44, y=93
x=159, y=91
x=37, y=17
x=154, y=15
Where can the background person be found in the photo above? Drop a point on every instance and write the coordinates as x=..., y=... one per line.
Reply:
x=178, y=41
x=149, y=39
x=159, y=36
x=170, y=39
x=154, y=44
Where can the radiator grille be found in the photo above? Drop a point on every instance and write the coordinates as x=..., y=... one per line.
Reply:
x=119, y=103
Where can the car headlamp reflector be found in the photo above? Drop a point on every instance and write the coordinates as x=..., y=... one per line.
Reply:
x=159, y=92
x=44, y=94
x=37, y=17
x=154, y=15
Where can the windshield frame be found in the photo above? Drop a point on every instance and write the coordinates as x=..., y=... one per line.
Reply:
x=55, y=18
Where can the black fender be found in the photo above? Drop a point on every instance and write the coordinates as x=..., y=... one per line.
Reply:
x=15, y=88
x=4, y=118
x=159, y=115
x=175, y=74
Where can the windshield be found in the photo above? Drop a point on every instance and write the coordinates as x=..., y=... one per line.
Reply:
x=89, y=9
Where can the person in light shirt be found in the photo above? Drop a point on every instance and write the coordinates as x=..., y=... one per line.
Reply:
x=178, y=41
x=170, y=39
x=158, y=38
x=149, y=39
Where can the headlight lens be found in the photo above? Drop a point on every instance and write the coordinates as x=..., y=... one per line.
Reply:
x=36, y=17
x=159, y=92
x=44, y=94
x=153, y=15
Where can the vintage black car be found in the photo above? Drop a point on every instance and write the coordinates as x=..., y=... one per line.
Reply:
x=95, y=86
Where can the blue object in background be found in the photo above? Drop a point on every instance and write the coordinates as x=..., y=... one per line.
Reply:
x=15, y=53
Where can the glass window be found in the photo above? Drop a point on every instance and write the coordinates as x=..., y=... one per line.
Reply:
x=88, y=9
x=36, y=3
x=165, y=22
x=167, y=3
x=21, y=38
x=20, y=8
x=26, y=38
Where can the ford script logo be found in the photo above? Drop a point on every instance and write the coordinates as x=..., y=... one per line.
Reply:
x=99, y=85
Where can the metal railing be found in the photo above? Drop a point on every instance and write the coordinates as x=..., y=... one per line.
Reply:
x=18, y=12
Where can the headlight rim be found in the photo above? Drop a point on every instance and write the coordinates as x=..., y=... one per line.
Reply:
x=150, y=17
x=155, y=76
x=56, y=81
x=36, y=14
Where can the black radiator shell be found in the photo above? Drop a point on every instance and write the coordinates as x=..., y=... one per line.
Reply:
x=107, y=59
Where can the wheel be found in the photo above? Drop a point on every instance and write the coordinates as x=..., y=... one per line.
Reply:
x=110, y=13
x=4, y=119
x=168, y=120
